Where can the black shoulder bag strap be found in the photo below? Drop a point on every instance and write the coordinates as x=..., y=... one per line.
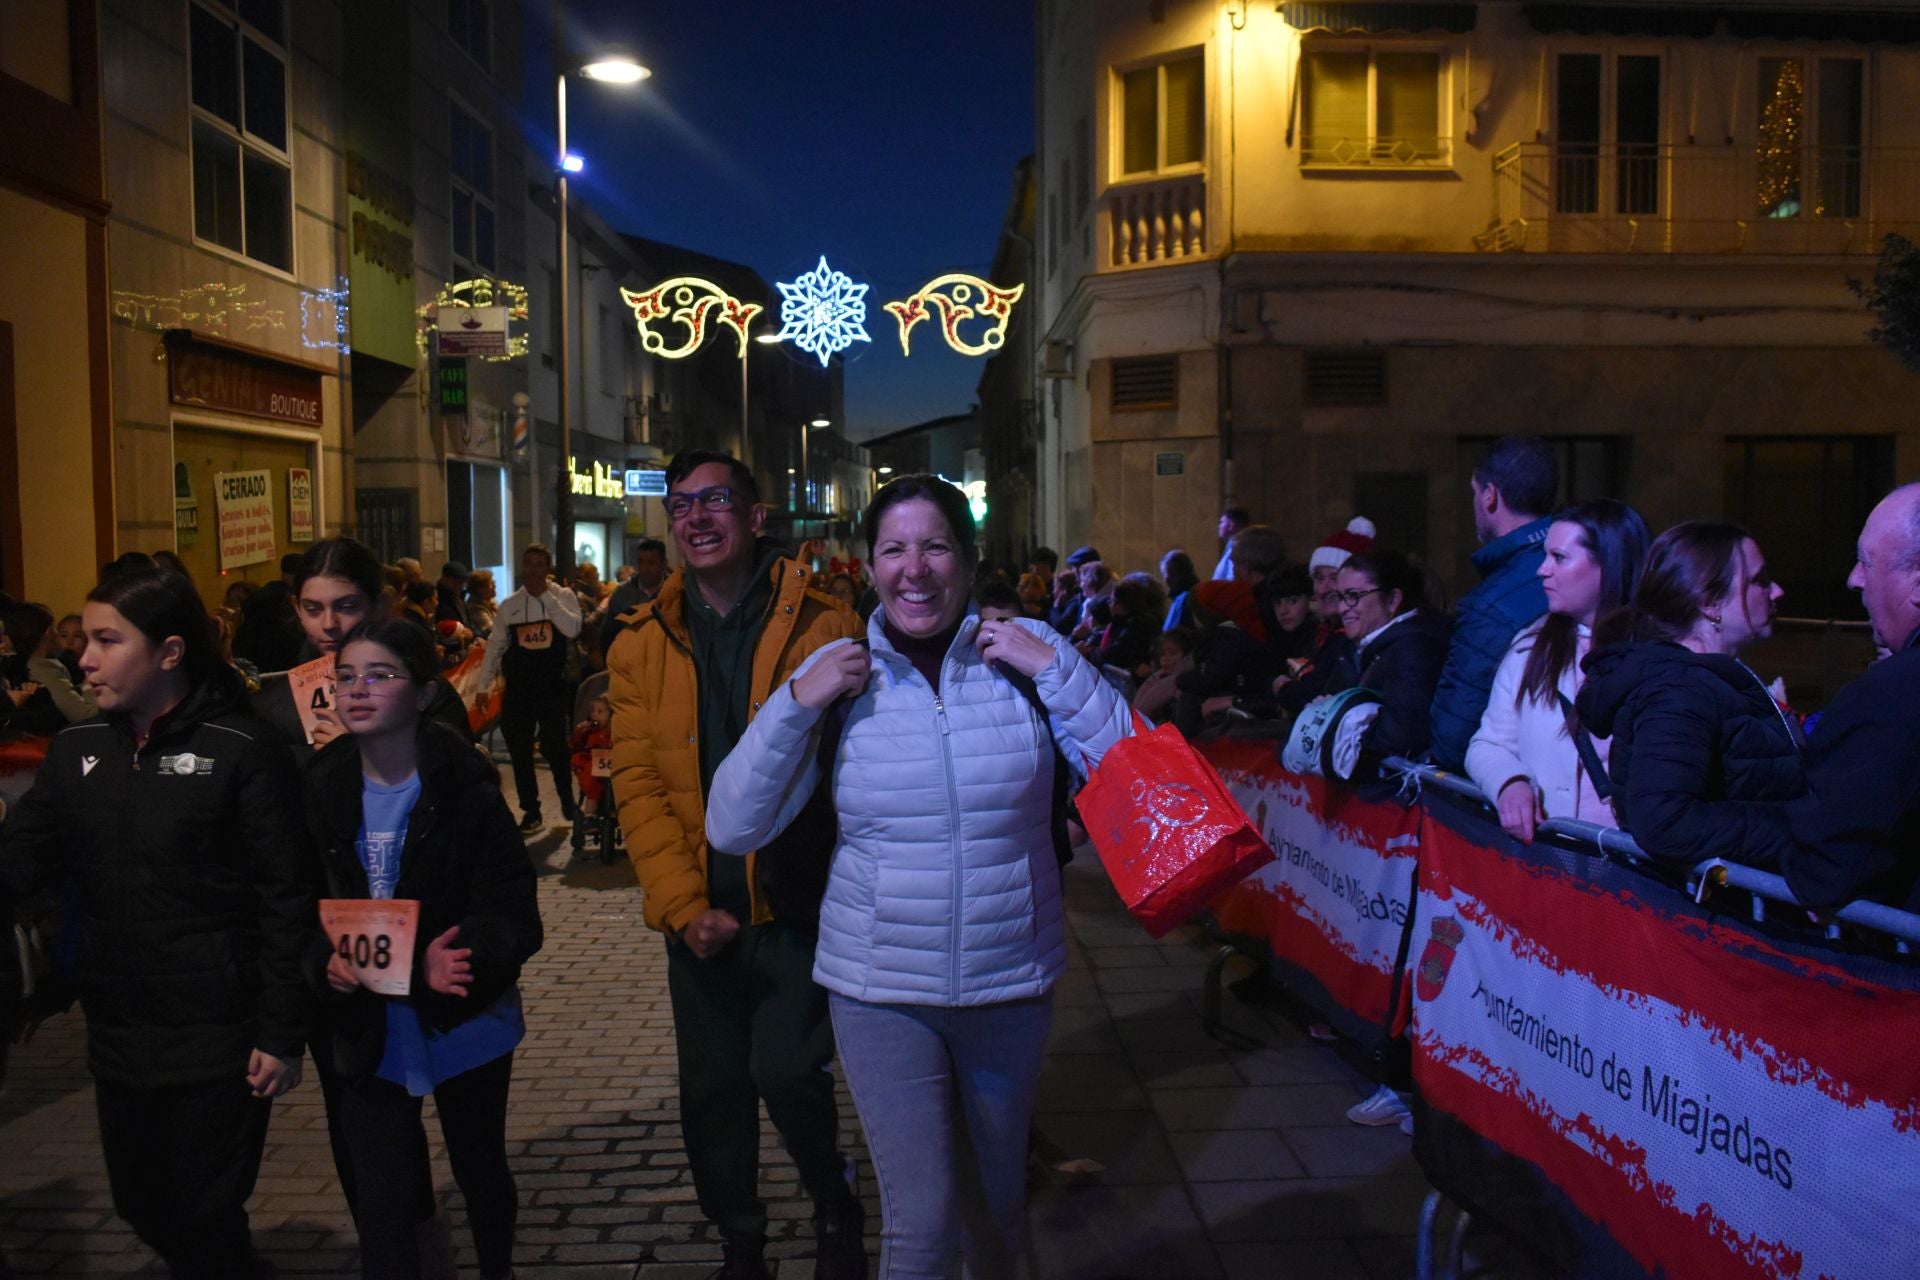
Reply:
x=1062, y=771
x=1583, y=743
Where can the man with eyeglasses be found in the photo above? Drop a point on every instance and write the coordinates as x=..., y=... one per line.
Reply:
x=690, y=669
x=531, y=632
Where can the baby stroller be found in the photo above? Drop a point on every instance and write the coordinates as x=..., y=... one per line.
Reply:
x=601, y=829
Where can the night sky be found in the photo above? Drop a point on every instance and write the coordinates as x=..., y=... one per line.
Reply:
x=882, y=133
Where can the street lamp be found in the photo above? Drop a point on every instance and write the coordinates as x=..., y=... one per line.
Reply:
x=607, y=67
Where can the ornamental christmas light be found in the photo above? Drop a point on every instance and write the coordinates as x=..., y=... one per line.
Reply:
x=823, y=312
x=690, y=302
x=959, y=298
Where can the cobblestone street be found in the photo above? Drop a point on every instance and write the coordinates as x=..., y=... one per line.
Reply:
x=1169, y=1156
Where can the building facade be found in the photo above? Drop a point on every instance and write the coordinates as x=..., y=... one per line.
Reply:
x=1307, y=258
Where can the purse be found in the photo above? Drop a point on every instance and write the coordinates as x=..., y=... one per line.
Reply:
x=1170, y=835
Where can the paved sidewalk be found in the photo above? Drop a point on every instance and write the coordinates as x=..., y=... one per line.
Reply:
x=1213, y=1162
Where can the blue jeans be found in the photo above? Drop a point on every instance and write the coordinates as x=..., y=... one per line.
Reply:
x=946, y=1098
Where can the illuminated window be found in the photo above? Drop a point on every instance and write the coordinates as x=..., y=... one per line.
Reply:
x=1163, y=116
x=470, y=25
x=1371, y=107
x=1807, y=137
x=472, y=212
x=242, y=169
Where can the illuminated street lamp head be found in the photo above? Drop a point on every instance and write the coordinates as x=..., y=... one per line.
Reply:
x=615, y=68
x=819, y=422
x=886, y=471
x=769, y=339
x=572, y=163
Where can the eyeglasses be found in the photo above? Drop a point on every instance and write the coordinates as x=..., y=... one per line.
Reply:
x=717, y=497
x=347, y=677
x=1352, y=598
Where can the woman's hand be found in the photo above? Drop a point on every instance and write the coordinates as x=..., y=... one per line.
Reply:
x=838, y=674
x=326, y=727
x=340, y=975
x=1013, y=644
x=1520, y=809
x=449, y=971
x=26, y=690
x=271, y=1076
x=1217, y=706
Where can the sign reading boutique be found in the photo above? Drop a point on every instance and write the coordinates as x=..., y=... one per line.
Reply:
x=210, y=377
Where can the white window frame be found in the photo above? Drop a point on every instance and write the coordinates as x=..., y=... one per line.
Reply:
x=1607, y=193
x=1810, y=58
x=1118, y=147
x=470, y=264
x=1369, y=162
x=226, y=11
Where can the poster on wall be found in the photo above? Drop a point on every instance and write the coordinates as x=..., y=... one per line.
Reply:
x=243, y=503
x=186, y=509
x=299, y=504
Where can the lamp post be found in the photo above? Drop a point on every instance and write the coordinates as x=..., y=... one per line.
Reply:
x=608, y=68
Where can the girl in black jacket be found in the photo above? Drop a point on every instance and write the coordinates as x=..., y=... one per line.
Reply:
x=176, y=815
x=1702, y=754
x=402, y=808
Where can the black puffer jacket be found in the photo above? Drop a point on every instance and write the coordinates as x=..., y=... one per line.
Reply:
x=197, y=885
x=1701, y=755
x=463, y=860
x=1403, y=666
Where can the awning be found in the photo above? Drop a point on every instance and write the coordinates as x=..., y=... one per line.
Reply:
x=1379, y=19
x=1701, y=21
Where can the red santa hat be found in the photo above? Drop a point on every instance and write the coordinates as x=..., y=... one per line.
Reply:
x=1355, y=539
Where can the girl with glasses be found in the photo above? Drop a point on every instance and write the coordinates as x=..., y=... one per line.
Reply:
x=402, y=808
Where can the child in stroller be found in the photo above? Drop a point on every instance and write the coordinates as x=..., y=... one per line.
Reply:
x=592, y=747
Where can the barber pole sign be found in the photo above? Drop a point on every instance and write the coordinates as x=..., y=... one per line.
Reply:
x=1686, y=1095
x=1334, y=905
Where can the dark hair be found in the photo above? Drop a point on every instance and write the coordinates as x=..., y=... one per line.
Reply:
x=421, y=593
x=162, y=603
x=1181, y=576
x=1616, y=537
x=1258, y=547
x=1392, y=571
x=26, y=625
x=346, y=559
x=290, y=563
x=1156, y=593
x=1136, y=599
x=649, y=544
x=1289, y=581
x=946, y=498
x=995, y=594
x=1524, y=469
x=1688, y=567
x=537, y=549
x=1185, y=637
x=1240, y=516
x=126, y=562
x=739, y=474
x=405, y=640
x=1046, y=556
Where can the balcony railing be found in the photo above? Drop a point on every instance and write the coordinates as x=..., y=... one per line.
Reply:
x=1152, y=222
x=1629, y=197
x=1321, y=151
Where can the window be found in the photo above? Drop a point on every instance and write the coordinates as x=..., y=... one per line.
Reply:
x=1607, y=134
x=1374, y=107
x=472, y=213
x=476, y=514
x=242, y=171
x=1163, y=116
x=1344, y=378
x=1807, y=139
x=470, y=25
x=1151, y=382
x=1804, y=499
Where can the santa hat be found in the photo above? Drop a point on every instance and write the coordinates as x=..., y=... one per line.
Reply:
x=1355, y=539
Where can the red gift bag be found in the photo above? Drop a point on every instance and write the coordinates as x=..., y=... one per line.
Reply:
x=1171, y=837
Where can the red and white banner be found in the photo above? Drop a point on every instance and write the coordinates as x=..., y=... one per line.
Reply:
x=1334, y=905
x=1688, y=1095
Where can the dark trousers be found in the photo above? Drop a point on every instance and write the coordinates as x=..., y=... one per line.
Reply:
x=182, y=1161
x=544, y=714
x=382, y=1125
x=332, y=1086
x=752, y=1025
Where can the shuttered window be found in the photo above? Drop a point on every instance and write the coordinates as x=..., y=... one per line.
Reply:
x=1149, y=382
x=1163, y=116
x=1345, y=378
x=1373, y=107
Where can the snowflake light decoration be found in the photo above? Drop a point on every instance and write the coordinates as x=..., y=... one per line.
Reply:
x=823, y=312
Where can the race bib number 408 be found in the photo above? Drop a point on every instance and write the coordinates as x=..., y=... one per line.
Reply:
x=374, y=937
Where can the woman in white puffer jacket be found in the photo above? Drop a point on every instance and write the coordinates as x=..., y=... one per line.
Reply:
x=942, y=931
x=1524, y=756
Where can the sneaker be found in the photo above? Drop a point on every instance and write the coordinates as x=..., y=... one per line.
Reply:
x=1322, y=1032
x=531, y=825
x=744, y=1261
x=1383, y=1108
x=840, y=1248
x=1406, y=1124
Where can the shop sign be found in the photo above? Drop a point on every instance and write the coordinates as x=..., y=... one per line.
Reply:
x=473, y=331
x=209, y=378
x=646, y=484
x=243, y=503
x=186, y=508
x=453, y=386
x=602, y=481
x=1169, y=464
x=299, y=504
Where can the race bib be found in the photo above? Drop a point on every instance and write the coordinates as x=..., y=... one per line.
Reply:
x=313, y=692
x=602, y=762
x=533, y=636
x=374, y=937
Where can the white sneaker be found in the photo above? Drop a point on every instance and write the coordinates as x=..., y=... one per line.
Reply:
x=1383, y=1108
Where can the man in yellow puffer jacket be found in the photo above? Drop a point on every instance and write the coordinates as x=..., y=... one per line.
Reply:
x=691, y=668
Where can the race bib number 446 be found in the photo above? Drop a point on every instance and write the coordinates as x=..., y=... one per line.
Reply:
x=374, y=937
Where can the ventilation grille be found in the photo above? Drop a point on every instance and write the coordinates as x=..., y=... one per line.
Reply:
x=1346, y=378
x=1152, y=382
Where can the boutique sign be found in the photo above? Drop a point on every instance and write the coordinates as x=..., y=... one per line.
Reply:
x=209, y=377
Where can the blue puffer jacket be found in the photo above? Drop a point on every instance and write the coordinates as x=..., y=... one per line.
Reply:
x=944, y=888
x=1489, y=617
